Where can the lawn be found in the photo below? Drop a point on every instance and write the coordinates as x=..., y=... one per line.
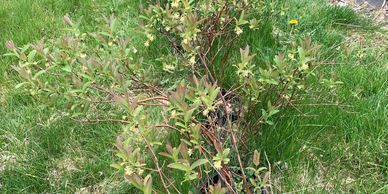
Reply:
x=334, y=140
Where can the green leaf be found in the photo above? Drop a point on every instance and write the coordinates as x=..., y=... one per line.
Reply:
x=302, y=54
x=74, y=91
x=39, y=73
x=214, y=94
x=121, y=155
x=24, y=48
x=165, y=155
x=116, y=166
x=135, y=181
x=67, y=68
x=106, y=34
x=20, y=85
x=187, y=142
x=226, y=152
x=179, y=124
x=191, y=176
x=147, y=184
x=198, y=163
x=241, y=20
x=11, y=54
x=186, y=4
x=189, y=114
x=194, y=142
x=85, y=76
x=180, y=166
x=31, y=55
x=273, y=112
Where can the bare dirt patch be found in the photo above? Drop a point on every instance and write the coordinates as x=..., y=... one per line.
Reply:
x=375, y=9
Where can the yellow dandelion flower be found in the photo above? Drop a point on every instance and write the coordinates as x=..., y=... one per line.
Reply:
x=293, y=22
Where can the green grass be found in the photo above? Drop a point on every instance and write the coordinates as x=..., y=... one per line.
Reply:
x=334, y=143
x=47, y=152
x=327, y=147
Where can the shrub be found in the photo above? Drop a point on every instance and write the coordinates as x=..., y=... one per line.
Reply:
x=104, y=71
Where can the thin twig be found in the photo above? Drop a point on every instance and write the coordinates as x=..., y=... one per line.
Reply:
x=156, y=161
